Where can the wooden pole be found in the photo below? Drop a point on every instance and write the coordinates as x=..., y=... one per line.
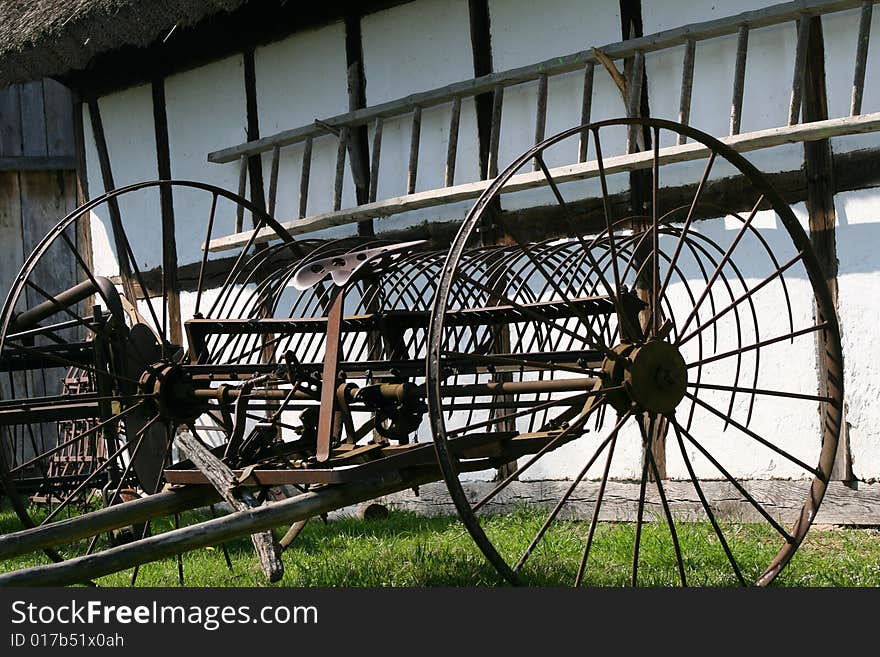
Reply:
x=218, y=530
x=237, y=497
x=105, y=520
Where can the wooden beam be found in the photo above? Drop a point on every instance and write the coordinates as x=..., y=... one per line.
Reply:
x=105, y=520
x=745, y=142
x=481, y=51
x=358, y=138
x=843, y=504
x=819, y=168
x=125, y=271
x=255, y=162
x=211, y=532
x=240, y=499
x=38, y=163
x=170, y=284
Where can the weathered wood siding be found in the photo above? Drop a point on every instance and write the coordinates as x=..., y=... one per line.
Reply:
x=38, y=187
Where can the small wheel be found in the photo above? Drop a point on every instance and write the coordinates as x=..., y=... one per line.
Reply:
x=676, y=341
x=97, y=373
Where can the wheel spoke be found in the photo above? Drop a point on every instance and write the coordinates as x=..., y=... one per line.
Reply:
x=622, y=318
x=779, y=271
x=687, y=223
x=759, y=345
x=751, y=500
x=600, y=495
x=611, y=439
x=666, y=510
x=70, y=441
x=755, y=436
x=109, y=460
x=634, y=577
x=705, y=503
x=720, y=266
x=122, y=479
x=760, y=391
x=564, y=435
x=65, y=362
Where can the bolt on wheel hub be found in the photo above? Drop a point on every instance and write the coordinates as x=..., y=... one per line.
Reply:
x=172, y=390
x=652, y=375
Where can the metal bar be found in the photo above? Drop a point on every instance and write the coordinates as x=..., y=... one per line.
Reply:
x=415, y=136
x=211, y=532
x=739, y=79
x=797, y=80
x=374, y=158
x=304, y=178
x=687, y=85
x=330, y=374
x=70, y=297
x=742, y=143
x=495, y=135
x=586, y=110
x=103, y=520
x=861, y=58
x=774, y=15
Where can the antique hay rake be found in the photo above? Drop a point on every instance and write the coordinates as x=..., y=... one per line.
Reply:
x=351, y=369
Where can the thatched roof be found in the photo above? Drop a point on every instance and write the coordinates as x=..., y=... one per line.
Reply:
x=40, y=38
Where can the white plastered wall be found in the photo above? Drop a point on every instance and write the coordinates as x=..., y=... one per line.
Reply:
x=206, y=111
x=127, y=119
x=407, y=49
x=300, y=79
x=858, y=233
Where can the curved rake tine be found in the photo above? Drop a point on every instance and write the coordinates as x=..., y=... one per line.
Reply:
x=743, y=297
x=727, y=254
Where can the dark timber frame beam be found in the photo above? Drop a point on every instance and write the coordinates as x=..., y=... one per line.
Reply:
x=637, y=104
x=819, y=169
x=255, y=162
x=170, y=286
x=358, y=145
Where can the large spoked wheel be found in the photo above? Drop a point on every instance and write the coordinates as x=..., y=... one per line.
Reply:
x=663, y=355
x=97, y=372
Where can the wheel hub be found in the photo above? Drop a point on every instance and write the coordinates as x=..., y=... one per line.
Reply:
x=172, y=390
x=653, y=376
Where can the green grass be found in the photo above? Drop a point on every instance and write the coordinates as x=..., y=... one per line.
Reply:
x=410, y=550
